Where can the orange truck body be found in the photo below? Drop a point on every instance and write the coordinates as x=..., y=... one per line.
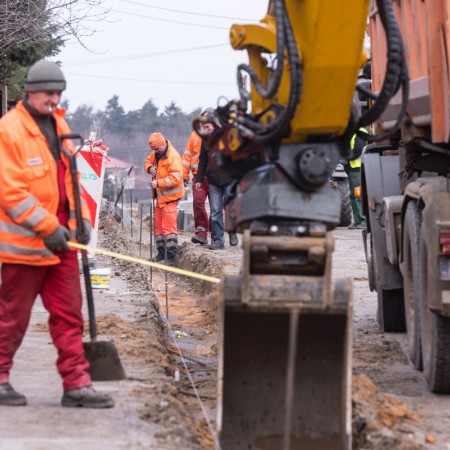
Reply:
x=425, y=27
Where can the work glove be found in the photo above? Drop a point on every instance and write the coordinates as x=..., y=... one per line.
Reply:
x=57, y=241
x=86, y=235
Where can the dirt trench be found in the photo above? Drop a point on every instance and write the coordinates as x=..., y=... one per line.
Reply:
x=390, y=406
x=168, y=401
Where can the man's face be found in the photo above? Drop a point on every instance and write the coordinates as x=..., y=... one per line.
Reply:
x=208, y=127
x=158, y=148
x=45, y=102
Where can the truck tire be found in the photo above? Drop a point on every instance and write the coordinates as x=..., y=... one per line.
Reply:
x=435, y=336
x=346, y=207
x=411, y=273
x=391, y=310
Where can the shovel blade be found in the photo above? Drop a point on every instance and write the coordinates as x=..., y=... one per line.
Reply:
x=104, y=361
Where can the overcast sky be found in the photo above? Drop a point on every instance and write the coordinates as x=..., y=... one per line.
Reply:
x=160, y=49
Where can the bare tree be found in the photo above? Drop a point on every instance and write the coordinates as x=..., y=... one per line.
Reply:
x=22, y=21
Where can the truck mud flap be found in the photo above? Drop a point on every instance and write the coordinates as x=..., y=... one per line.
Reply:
x=284, y=373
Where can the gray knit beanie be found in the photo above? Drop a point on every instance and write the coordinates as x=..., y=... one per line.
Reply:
x=44, y=76
x=208, y=111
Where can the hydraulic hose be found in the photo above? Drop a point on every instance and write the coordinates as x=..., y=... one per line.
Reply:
x=276, y=79
x=396, y=72
x=276, y=129
x=401, y=115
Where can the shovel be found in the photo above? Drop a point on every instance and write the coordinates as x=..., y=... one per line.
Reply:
x=103, y=358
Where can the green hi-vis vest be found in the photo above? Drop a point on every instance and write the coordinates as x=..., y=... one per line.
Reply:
x=354, y=164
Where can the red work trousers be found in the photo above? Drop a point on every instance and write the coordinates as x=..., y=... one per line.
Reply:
x=59, y=287
x=166, y=218
x=201, y=220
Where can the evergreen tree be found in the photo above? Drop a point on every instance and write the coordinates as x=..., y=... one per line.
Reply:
x=115, y=117
x=34, y=29
x=126, y=133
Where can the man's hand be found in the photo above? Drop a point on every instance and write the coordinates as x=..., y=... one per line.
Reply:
x=57, y=241
x=198, y=186
x=152, y=171
x=154, y=184
x=86, y=235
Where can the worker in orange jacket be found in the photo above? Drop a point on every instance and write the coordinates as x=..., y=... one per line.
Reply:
x=164, y=165
x=37, y=210
x=199, y=192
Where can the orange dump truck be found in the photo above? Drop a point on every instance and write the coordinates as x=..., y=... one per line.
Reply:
x=406, y=190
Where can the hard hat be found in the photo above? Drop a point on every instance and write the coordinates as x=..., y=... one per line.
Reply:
x=44, y=76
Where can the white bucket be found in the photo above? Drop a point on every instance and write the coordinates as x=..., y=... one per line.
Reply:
x=100, y=278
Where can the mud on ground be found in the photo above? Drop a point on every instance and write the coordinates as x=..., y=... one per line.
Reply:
x=381, y=420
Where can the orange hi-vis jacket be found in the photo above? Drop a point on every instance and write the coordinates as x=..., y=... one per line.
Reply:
x=191, y=155
x=29, y=195
x=169, y=175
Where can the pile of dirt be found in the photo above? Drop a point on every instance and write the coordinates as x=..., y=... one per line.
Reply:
x=114, y=239
x=380, y=421
x=144, y=343
x=111, y=324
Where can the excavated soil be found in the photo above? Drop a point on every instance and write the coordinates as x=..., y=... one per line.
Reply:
x=391, y=407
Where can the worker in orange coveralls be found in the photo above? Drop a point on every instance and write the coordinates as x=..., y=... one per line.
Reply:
x=164, y=165
x=37, y=211
x=200, y=194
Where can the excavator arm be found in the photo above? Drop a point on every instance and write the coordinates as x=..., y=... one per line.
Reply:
x=285, y=351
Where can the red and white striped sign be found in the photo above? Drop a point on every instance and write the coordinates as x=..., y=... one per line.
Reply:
x=91, y=165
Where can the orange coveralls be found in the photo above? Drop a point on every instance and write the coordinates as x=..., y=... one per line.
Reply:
x=36, y=195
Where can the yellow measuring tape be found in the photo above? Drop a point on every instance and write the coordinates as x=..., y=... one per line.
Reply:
x=144, y=262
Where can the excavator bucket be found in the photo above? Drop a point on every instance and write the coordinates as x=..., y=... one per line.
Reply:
x=285, y=363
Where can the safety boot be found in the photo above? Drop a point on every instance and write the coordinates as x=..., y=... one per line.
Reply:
x=86, y=397
x=233, y=239
x=197, y=239
x=172, y=246
x=160, y=248
x=216, y=245
x=9, y=397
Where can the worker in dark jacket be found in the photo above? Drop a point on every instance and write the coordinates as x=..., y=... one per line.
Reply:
x=353, y=170
x=220, y=186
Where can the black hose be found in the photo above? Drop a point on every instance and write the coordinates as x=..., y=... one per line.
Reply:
x=395, y=67
x=401, y=115
x=277, y=129
x=276, y=79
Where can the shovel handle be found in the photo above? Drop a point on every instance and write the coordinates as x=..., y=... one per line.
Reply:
x=89, y=296
x=80, y=228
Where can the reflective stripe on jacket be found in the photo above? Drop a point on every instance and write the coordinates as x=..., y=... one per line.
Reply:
x=355, y=163
x=169, y=175
x=29, y=189
x=191, y=155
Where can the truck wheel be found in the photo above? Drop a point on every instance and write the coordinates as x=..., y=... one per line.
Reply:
x=391, y=310
x=346, y=207
x=435, y=336
x=410, y=271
